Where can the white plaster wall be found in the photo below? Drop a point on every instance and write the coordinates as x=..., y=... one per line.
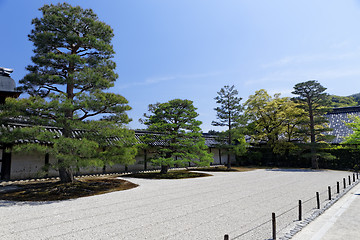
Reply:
x=25, y=165
x=52, y=172
x=28, y=165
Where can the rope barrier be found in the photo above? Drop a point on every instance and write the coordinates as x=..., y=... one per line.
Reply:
x=333, y=193
x=262, y=224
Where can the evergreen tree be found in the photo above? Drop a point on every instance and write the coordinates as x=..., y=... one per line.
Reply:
x=71, y=70
x=229, y=115
x=173, y=124
x=315, y=102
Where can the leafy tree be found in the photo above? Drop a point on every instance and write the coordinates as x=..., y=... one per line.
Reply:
x=354, y=138
x=67, y=83
x=274, y=120
x=179, y=132
x=314, y=101
x=229, y=114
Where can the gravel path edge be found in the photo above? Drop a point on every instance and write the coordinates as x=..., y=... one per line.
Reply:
x=301, y=224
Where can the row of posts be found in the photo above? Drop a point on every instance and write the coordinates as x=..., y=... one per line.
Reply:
x=226, y=236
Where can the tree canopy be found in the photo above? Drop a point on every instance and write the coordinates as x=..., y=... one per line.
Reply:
x=274, y=120
x=179, y=131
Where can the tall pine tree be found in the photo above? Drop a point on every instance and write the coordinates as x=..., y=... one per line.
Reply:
x=67, y=83
x=228, y=115
x=315, y=102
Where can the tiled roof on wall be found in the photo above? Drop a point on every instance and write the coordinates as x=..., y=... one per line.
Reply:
x=337, y=119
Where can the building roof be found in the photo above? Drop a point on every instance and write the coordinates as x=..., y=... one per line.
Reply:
x=7, y=84
x=210, y=140
x=337, y=119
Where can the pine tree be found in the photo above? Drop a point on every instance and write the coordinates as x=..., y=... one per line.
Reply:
x=71, y=70
x=228, y=115
x=175, y=126
x=315, y=102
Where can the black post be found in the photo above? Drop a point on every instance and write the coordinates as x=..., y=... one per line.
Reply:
x=357, y=175
x=300, y=211
x=318, y=200
x=5, y=165
x=145, y=159
x=226, y=237
x=338, y=187
x=353, y=177
x=344, y=183
x=349, y=180
x=273, y=226
x=47, y=157
x=220, y=156
x=329, y=191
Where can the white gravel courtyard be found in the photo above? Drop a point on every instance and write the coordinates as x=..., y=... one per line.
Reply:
x=197, y=208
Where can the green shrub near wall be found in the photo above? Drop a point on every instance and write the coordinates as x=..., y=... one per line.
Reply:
x=347, y=157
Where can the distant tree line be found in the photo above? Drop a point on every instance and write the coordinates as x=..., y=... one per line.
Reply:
x=282, y=129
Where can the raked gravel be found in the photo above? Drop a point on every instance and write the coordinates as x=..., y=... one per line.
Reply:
x=197, y=208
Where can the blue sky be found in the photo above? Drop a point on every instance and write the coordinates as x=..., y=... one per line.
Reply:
x=189, y=49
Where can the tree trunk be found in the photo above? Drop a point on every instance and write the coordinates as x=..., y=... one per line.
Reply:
x=314, y=160
x=229, y=142
x=164, y=169
x=66, y=175
x=229, y=161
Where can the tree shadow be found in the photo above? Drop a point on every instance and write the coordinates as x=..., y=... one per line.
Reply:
x=8, y=203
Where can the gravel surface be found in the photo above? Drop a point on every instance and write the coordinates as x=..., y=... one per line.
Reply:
x=198, y=208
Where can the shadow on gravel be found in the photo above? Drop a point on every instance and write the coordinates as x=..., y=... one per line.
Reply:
x=6, y=203
x=295, y=170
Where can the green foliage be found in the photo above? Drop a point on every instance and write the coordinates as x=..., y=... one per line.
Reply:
x=274, y=120
x=339, y=101
x=178, y=131
x=229, y=114
x=354, y=138
x=315, y=102
x=71, y=68
x=230, y=109
x=356, y=98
